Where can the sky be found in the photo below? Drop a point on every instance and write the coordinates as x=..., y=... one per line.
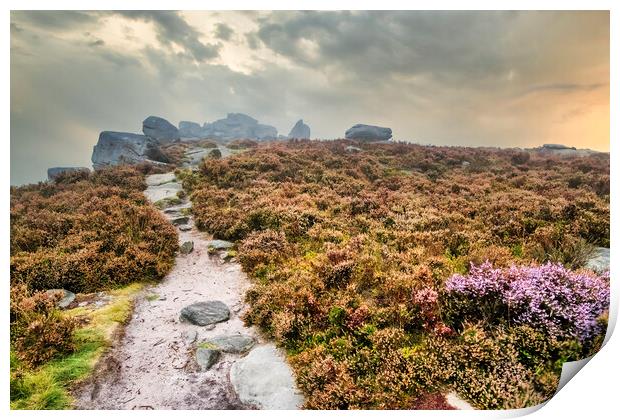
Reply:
x=505, y=79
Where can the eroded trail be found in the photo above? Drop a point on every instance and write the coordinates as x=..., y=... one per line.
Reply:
x=153, y=366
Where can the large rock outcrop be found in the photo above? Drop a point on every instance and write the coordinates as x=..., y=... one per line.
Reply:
x=53, y=173
x=368, y=132
x=115, y=148
x=239, y=126
x=300, y=131
x=190, y=130
x=160, y=130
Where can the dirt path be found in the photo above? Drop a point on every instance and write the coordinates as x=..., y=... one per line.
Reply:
x=153, y=365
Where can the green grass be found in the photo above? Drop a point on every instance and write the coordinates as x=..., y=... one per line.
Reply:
x=47, y=387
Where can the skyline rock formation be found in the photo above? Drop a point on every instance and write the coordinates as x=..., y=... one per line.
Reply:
x=368, y=132
x=114, y=148
x=160, y=129
x=300, y=131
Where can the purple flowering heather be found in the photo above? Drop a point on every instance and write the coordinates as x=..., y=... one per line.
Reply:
x=551, y=298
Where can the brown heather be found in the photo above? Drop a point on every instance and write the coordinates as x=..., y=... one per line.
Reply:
x=349, y=253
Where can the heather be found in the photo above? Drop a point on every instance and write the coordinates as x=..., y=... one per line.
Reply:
x=85, y=232
x=370, y=267
x=88, y=232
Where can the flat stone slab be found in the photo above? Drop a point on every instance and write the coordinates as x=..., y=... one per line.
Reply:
x=66, y=299
x=206, y=357
x=263, y=378
x=220, y=244
x=205, y=313
x=599, y=262
x=179, y=220
x=164, y=191
x=232, y=343
x=159, y=179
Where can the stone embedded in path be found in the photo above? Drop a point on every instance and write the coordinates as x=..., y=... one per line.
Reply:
x=66, y=297
x=457, y=402
x=219, y=244
x=263, y=378
x=232, y=343
x=180, y=220
x=206, y=357
x=187, y=247
x=165, y=191
x=185, y=228
x=159, y=179
x=205, y=313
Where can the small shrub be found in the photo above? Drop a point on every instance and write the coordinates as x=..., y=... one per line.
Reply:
x=39, y=332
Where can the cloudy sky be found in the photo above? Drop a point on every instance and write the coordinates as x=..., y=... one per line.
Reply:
x=447, y=78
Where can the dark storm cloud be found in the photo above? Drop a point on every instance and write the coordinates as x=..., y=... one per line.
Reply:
x=453, y=46
x=172, y=28
x=223, y=31
x=58, y=20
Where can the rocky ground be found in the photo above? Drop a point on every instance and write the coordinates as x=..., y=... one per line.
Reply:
x=186, y=346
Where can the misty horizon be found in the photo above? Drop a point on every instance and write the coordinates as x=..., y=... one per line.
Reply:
x=478, y=79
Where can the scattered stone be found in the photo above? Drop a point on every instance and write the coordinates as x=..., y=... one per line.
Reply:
x=205, y=313
x=159, y=179
x=263, y=378
x=465, y=164
x=160, y=130
x=219, y=244
x=368, y=132
x=300, y=131
x=599, y=261
x=115, y=148
x=352, y=149
x=185, y=228
x=180, y=220
x=232, y=343
x=66, y=299
x=53, y=173
x=187, y=247
x=206, y=357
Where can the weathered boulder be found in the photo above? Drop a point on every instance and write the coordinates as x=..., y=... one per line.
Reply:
x=186, y=248
x=189, y=129
x=232, y=343
x=160, y=130
x=239, y=126
x=556, y=146
x=599, y=261
x=263, y=378
x=205, y=313
x=214, y=154
x=66, y=297
x=206, y=357
x=368, y=132
x=300, y=131
x=116, y=148
x=52, y=173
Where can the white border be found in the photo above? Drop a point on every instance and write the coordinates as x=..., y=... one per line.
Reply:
x=592, y=394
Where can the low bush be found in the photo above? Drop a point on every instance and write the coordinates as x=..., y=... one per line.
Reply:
x=39, y=332
x=88, y=233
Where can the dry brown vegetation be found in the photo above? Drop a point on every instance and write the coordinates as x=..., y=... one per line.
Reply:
x=350, y=252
